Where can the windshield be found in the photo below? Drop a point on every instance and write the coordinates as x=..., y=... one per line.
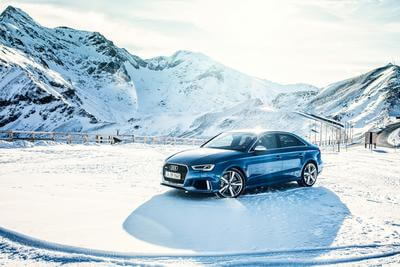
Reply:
x=232, y=141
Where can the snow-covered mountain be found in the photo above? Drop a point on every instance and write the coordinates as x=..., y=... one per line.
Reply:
x=61, y=78
x=69, y=80
x=65, y=79
x=366, y=101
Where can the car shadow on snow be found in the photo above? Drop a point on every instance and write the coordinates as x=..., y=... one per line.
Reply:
x=380, y=151
x=273, y=218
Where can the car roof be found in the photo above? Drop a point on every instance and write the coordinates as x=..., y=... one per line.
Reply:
x=256, y=131
x=259, y=131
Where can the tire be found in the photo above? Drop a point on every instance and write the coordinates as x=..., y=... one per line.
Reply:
x=232, y=184
x=309, y=175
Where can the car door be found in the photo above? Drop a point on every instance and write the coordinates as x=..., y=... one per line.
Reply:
x=291, y=153
x=264, y=166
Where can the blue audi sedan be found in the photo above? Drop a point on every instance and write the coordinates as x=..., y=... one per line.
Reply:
x=233, y=161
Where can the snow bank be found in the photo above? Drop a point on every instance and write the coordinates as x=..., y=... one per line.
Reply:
x=253, y=222
x=26, y=144
x=34, y=250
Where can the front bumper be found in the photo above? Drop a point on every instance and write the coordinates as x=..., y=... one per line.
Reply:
x=195, y=181
x=206, y=189
x=320, y=167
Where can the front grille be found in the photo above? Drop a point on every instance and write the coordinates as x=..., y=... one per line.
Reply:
x=176, y=168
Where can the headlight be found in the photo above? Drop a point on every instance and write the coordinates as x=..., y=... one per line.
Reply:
x=204, y=167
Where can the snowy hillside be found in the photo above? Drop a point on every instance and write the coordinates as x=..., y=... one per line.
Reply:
x=365, y=101
x=65, y=79
x=60, y=78
x=68, y=80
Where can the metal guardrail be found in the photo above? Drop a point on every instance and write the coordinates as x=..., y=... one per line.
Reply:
x=74, y=137
x=326, y=132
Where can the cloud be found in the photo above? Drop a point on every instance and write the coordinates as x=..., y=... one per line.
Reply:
x=150, y=36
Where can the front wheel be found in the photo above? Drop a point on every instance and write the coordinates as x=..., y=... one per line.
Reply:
x=232, y=184
x=308, y=175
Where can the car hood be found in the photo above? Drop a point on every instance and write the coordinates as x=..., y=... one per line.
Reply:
x=203, y=156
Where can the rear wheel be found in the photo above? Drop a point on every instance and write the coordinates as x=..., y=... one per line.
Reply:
x=232, y=184
x=308, y=175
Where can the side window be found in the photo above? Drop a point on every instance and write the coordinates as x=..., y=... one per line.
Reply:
x=268, y=141
x=245, y=141
x=287, y=140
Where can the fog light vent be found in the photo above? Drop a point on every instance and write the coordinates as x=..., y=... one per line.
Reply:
x=201, y=185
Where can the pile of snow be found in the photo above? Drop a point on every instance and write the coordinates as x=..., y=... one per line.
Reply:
x=252, y=223
x=16, y=144
x=26, y=144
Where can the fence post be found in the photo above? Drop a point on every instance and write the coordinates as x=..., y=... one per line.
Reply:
x=11, y=135
x=320, y=134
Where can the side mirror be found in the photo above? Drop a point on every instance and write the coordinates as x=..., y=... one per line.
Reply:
x=259, y=149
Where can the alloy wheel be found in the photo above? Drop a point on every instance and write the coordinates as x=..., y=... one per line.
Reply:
x=310, y=174
x=232, y=184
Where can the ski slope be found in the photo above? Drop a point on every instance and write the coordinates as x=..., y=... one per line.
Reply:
x=102, y=205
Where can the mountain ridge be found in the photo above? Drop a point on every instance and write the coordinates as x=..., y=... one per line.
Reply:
x=72, y=80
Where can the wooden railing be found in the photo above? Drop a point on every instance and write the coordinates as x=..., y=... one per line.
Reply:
x=74, y=137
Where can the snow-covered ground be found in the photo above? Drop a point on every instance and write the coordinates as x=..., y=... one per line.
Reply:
x=103, y=205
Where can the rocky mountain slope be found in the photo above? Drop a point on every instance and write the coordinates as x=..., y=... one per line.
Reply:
x=365, y=101
x=69, y=80
x=61, y=78
x=65, y=79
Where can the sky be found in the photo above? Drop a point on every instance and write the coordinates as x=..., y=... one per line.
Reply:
x=286, y=41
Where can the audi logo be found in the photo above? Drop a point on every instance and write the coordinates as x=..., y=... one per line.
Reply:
x=173, y=168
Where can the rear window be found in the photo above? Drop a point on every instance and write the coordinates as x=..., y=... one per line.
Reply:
x=287, y=140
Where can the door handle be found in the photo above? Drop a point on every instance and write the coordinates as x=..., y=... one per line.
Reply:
x=301, y=155
x=278, y=157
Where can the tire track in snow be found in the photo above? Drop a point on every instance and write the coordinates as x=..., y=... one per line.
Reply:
x=25, y=247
